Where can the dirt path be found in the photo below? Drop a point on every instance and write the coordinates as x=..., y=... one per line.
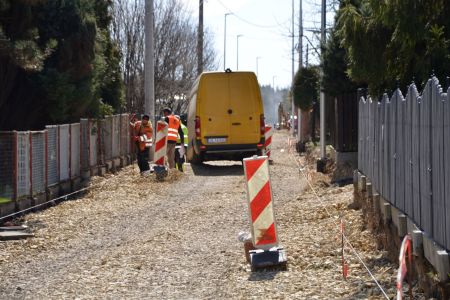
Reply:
x=132, y=237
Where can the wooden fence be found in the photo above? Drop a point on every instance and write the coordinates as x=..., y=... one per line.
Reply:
x=404, y=149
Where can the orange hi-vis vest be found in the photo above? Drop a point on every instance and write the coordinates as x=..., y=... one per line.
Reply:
x=174, y=124
x=144, y=133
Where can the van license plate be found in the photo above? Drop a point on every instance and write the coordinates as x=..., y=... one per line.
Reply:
x=216, y=140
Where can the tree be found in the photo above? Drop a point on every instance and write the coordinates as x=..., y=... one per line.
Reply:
x=391, y=41
x=175, y=52
x=57, y=62
x=306, y=87
x=335, y=78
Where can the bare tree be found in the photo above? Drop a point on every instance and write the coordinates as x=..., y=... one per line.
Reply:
x=175, y=52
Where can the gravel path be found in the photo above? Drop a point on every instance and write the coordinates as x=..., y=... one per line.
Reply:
x=133, y=237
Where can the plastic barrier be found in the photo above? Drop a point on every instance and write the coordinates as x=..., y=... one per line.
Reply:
x=160, y=148
x=259, y=196
x=268, y=132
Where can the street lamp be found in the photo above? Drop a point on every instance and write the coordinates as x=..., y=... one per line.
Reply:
x=225, y=41
x=273, y=82
x=257, y=58
x=237, y=51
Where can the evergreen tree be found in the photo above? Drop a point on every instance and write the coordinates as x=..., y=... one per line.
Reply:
x=389, y=41
x=59, y=62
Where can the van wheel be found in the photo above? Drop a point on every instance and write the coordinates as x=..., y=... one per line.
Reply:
x=196, y=159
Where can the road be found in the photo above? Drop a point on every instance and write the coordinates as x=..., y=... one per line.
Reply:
x=133, y=237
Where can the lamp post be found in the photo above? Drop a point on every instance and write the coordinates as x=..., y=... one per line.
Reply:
x=257, y=59
x=273, y=82
x=225, y=41
x=237, y=51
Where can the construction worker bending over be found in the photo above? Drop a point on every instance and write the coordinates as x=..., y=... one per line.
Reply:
x=173, y=132
x=142, y=136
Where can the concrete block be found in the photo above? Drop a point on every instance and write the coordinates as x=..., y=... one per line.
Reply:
x=75, y=184
x=369, y=191
x=394, y=216
x=53, y=192
x=65, y=187
x=109, y=165
x=438, y=258
x=417, y=242
x=402, y=228
x=363, y=184
x=86, y=174
x=102, y=171
x=376, y=203
x=123, y=162
x=7, y=208
x=39, y=199
x=23, y=203
x=94, y=171
x=386, y=211
x=116, y=163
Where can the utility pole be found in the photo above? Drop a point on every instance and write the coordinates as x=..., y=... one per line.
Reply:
x=307, y=53
x=200, y=39
x=293, y=53
x=322, y=96
x=300, y=66
x=149, y=64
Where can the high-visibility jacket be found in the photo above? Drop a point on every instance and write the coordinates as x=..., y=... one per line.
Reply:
x=174, y=124
x=185, y=132
x=143, y=134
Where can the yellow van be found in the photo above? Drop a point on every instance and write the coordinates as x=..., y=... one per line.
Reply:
x=225, y=117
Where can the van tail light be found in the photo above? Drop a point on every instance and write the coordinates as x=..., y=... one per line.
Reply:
x=262, y=125
x=197, y=128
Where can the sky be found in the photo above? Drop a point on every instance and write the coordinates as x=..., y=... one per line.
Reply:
x=265, y=46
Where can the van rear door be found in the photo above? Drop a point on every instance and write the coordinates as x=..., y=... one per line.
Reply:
x=245, y=107
x=213, y=105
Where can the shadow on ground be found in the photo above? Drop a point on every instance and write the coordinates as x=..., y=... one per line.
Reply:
x=218, y=169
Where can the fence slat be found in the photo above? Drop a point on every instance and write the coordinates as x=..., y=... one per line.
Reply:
x=446, y=135
x=64, y=152
x=38, y=161
x=438, y=172
x=75, y=163
x=425, y=161
x=52, y=155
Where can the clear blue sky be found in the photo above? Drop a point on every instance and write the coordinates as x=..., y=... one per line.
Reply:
x=266, y=29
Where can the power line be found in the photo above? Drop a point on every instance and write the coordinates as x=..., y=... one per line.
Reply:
x=249, y=22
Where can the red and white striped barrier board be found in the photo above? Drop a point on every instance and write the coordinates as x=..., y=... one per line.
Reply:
x=160, y=148
x=259, y=194
x=402, y=270
x=268, y=132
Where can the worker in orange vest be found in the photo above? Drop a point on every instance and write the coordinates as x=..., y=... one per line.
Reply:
x=172, y=135
x=142, y=136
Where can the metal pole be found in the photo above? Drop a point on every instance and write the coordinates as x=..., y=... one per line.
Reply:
x=293, y=51
x=273, y=81
x=225, y=41
x=300, y=66
x=149, y=73
x=200, y=39
x=322, y=94
x=237, y=51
